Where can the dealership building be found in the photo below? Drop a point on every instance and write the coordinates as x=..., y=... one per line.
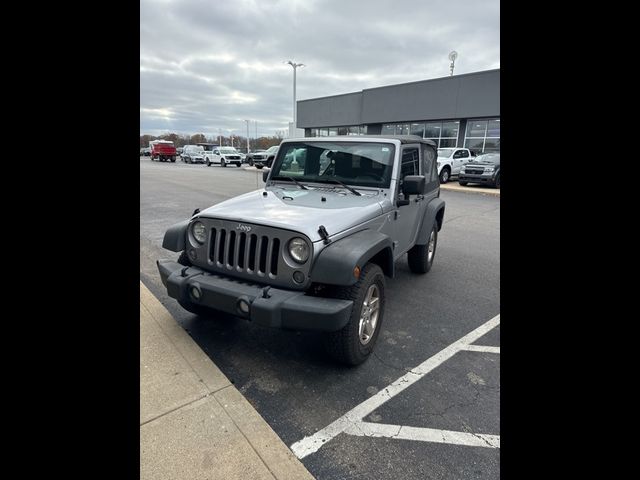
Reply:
x=456, y=111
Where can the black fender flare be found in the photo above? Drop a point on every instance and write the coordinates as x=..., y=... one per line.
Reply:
x=433, y=212
x=336, y=262
x=175, y=236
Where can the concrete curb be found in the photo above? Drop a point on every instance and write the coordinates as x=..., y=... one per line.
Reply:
x=193, y=422
x=477, y=190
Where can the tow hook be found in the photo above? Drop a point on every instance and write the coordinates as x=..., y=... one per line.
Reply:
x=265, y=292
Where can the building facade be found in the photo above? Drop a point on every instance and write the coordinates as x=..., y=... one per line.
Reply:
x=457, y=111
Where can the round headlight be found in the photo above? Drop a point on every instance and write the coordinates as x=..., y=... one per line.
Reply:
x=199, y=232
x=299, y=250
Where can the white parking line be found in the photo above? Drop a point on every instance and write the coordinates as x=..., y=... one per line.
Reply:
x=402, y=432
x=313, y=443
x=482, y=348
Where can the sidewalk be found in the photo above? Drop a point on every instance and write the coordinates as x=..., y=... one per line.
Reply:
x=456, y=187
x=194, y=424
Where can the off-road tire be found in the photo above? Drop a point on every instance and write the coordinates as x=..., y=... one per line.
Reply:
x=344, y=345
x=418, y=256
x=445, y=175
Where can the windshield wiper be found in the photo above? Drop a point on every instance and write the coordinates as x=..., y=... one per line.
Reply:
x=284, y=177
x=352, y=190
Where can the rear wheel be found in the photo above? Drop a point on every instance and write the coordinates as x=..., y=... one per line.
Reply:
x=421, y=257
x=353, y=344
x=464, y=184
x=445, y=174
x=173, y=159
x=251, y=162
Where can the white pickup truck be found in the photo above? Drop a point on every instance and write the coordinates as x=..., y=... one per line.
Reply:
x=450, y=160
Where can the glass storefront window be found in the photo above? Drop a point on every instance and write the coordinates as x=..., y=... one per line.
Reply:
x=342, y=130
x=402, y=129
x=352, y=130
x=483, y=135
x=333, y=131
x=493, y=128
x=450, y=129
x=491, y=145
x=323, y=132
x=432, y=130
x=475, y=144
x=363, y=129
x=388, y=129
x=417, y=129
x=448, y=142
x=476, y=128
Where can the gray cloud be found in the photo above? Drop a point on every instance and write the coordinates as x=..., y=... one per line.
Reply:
x=206, y=65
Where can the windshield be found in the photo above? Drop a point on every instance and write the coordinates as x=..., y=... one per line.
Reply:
x=364, y=164
x=445, y=152
x=488, y=158
x=228, y=150
x=272, y=149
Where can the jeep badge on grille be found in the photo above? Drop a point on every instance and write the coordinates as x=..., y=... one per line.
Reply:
x=244, y=228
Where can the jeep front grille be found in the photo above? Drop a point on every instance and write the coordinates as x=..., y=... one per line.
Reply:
x=245, y=252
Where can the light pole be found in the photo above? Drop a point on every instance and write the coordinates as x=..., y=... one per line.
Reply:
x=247, y=136
x=295, y=67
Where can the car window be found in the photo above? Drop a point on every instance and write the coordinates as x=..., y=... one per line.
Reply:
x=458, y=154
x=464, y=154
x=428, y=161
x=354, y=163
x=409, y=165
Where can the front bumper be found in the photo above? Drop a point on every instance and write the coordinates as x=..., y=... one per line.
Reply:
x=278, y=308
x=476, y=178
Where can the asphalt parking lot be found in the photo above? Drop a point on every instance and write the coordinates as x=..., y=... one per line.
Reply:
x=426, y=405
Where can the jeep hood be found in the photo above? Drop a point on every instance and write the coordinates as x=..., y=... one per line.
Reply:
x=300, y=210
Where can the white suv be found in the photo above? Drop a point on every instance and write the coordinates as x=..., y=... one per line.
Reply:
x=450, y=160
x=223, y=156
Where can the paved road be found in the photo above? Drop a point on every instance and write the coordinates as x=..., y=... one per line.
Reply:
x=299, y=391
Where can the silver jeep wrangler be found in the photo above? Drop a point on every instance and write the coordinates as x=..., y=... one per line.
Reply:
x=312, y=249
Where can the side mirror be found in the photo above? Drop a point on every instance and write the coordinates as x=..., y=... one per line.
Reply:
x=413, y=185
x=265, y=174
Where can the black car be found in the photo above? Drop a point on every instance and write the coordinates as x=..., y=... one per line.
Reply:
x=265, y=158
x=483, y=169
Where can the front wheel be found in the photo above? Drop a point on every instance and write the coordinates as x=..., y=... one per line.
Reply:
x=251, y=163
x=223, y=163
x=238, y=164
x=445, y=174
x=353, y=344
x=496, y=184
x=421, y=257
x=208, y=163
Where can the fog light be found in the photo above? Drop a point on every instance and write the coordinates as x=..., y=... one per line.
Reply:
x=298, y=277
x=195, y=292
x=243, y=306
x=192, y=254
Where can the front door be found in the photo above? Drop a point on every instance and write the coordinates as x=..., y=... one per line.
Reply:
x=406, y=216
x=460, y=157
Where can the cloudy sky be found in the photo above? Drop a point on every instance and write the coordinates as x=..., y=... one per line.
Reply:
x=205, y=66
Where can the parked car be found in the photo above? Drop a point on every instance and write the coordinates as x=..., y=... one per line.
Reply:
x=223, y=156
x=250, y=155
x=484, y=169
x=179, y=151
x=145, y=152
x=450, y=160
x=313, y=250
x=193, y=154
x=265, y=158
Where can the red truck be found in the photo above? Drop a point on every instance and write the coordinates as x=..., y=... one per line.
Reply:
x=163, y=150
